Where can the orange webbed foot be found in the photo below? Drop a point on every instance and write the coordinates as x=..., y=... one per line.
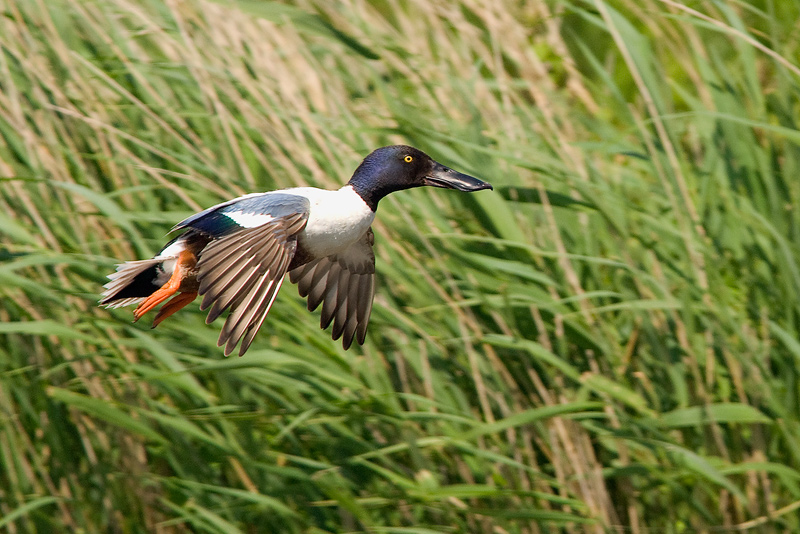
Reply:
x=179, y=301
x=185, y=262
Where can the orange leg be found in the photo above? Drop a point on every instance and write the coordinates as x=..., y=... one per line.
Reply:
x=186, y=261
x=178, y=301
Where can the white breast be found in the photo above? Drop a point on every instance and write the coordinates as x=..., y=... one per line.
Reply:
x=337, y=219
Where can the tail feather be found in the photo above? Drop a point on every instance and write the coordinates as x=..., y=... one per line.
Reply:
x=133, y=282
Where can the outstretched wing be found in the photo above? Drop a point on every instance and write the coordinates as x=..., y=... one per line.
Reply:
x=242, y=268
x=345, y=285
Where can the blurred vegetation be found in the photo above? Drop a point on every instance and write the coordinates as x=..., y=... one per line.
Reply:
x=607, y=343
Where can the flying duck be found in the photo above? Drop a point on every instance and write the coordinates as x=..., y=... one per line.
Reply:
x=235, y=254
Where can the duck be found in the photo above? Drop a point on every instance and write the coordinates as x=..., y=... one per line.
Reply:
x=235, y=255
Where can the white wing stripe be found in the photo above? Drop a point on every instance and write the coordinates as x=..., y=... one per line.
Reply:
x=248, y=220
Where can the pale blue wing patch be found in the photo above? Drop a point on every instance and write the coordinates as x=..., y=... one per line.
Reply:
x=249, y=211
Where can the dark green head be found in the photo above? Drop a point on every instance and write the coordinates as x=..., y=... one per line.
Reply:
x=397, y=167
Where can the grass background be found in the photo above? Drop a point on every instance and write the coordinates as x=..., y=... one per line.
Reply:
x=606, y=343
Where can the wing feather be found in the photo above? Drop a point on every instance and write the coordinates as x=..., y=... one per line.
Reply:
x=260, y=316
x=340, y=313
x=302, y=276
x=366, y=294
x=254, y=308
x=318, y=283
x=351, y=319
x=344, y=284
x=242, y=272
x=330, y=297
x=226, y=280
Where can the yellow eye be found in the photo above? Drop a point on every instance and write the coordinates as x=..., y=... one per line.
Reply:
x=408, y=159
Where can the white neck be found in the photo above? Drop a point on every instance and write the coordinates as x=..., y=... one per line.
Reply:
x=337, y=219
